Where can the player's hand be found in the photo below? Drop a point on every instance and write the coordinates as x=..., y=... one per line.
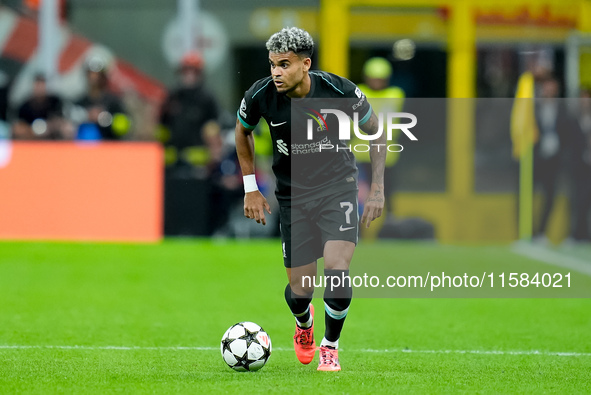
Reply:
x=374, y=205
x=255, y=205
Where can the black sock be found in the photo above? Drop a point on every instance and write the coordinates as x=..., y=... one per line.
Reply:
x=336, y=303
x=298, y=304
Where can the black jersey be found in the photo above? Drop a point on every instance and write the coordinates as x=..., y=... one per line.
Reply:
x=303, y=170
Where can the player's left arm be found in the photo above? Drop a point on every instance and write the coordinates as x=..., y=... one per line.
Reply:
x=357, y=102
x=374, y=205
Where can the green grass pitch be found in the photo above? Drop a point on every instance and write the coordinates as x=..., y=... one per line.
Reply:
x=102, y=318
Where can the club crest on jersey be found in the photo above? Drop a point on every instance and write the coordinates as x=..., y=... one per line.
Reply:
x=282, y=147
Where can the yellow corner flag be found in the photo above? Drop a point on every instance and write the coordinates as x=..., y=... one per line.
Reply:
x=524, y=130
x=524, y=133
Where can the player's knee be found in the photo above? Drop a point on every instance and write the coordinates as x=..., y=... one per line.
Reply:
x=302, y=282
x=337, y=261
x=302, y=286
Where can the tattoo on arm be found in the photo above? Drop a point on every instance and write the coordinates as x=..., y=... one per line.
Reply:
x=376, y=197
x=371, y=127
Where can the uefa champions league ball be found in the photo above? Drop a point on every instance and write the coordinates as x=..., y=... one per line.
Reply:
x=246, y=347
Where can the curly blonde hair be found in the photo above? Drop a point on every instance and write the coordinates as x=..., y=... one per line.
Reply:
x=291, y=39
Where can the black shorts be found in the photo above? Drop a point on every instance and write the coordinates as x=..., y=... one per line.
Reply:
x=305, y=228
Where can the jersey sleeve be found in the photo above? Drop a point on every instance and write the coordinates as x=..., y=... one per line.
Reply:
x=249, y=112
x=356, y=101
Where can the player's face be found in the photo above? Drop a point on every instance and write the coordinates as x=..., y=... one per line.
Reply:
x=288, y=70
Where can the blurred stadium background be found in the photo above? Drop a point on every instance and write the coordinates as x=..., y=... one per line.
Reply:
x=460, y=179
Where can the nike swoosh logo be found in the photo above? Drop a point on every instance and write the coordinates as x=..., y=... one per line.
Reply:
x=277, y=124
x=344, y=229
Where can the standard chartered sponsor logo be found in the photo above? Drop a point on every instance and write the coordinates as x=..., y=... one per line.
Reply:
x=282, y=147
x=309, y=148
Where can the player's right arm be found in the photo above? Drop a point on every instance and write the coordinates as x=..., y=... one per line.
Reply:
x=254, y=202
x=248, y=115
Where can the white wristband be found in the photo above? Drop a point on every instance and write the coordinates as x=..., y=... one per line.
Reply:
x=250, y=183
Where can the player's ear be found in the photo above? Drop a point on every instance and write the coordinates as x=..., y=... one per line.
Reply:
x=307, y=63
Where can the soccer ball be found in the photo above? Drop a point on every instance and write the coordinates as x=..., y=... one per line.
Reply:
x=246, y=347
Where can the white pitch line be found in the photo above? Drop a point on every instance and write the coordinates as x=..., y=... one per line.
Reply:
x=125, y=348
x=365, y=350
x=486, y=352
x=552, y=257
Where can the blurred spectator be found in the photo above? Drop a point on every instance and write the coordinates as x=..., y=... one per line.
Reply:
x=4, y=83
x=496, y=72
x=105, y=114
x=225, y=181
x=552, y=118
x=383, y=98
x=41, y=116
x=200, y=165
x=580, y=170
x=188, y=115
x=4, y=88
